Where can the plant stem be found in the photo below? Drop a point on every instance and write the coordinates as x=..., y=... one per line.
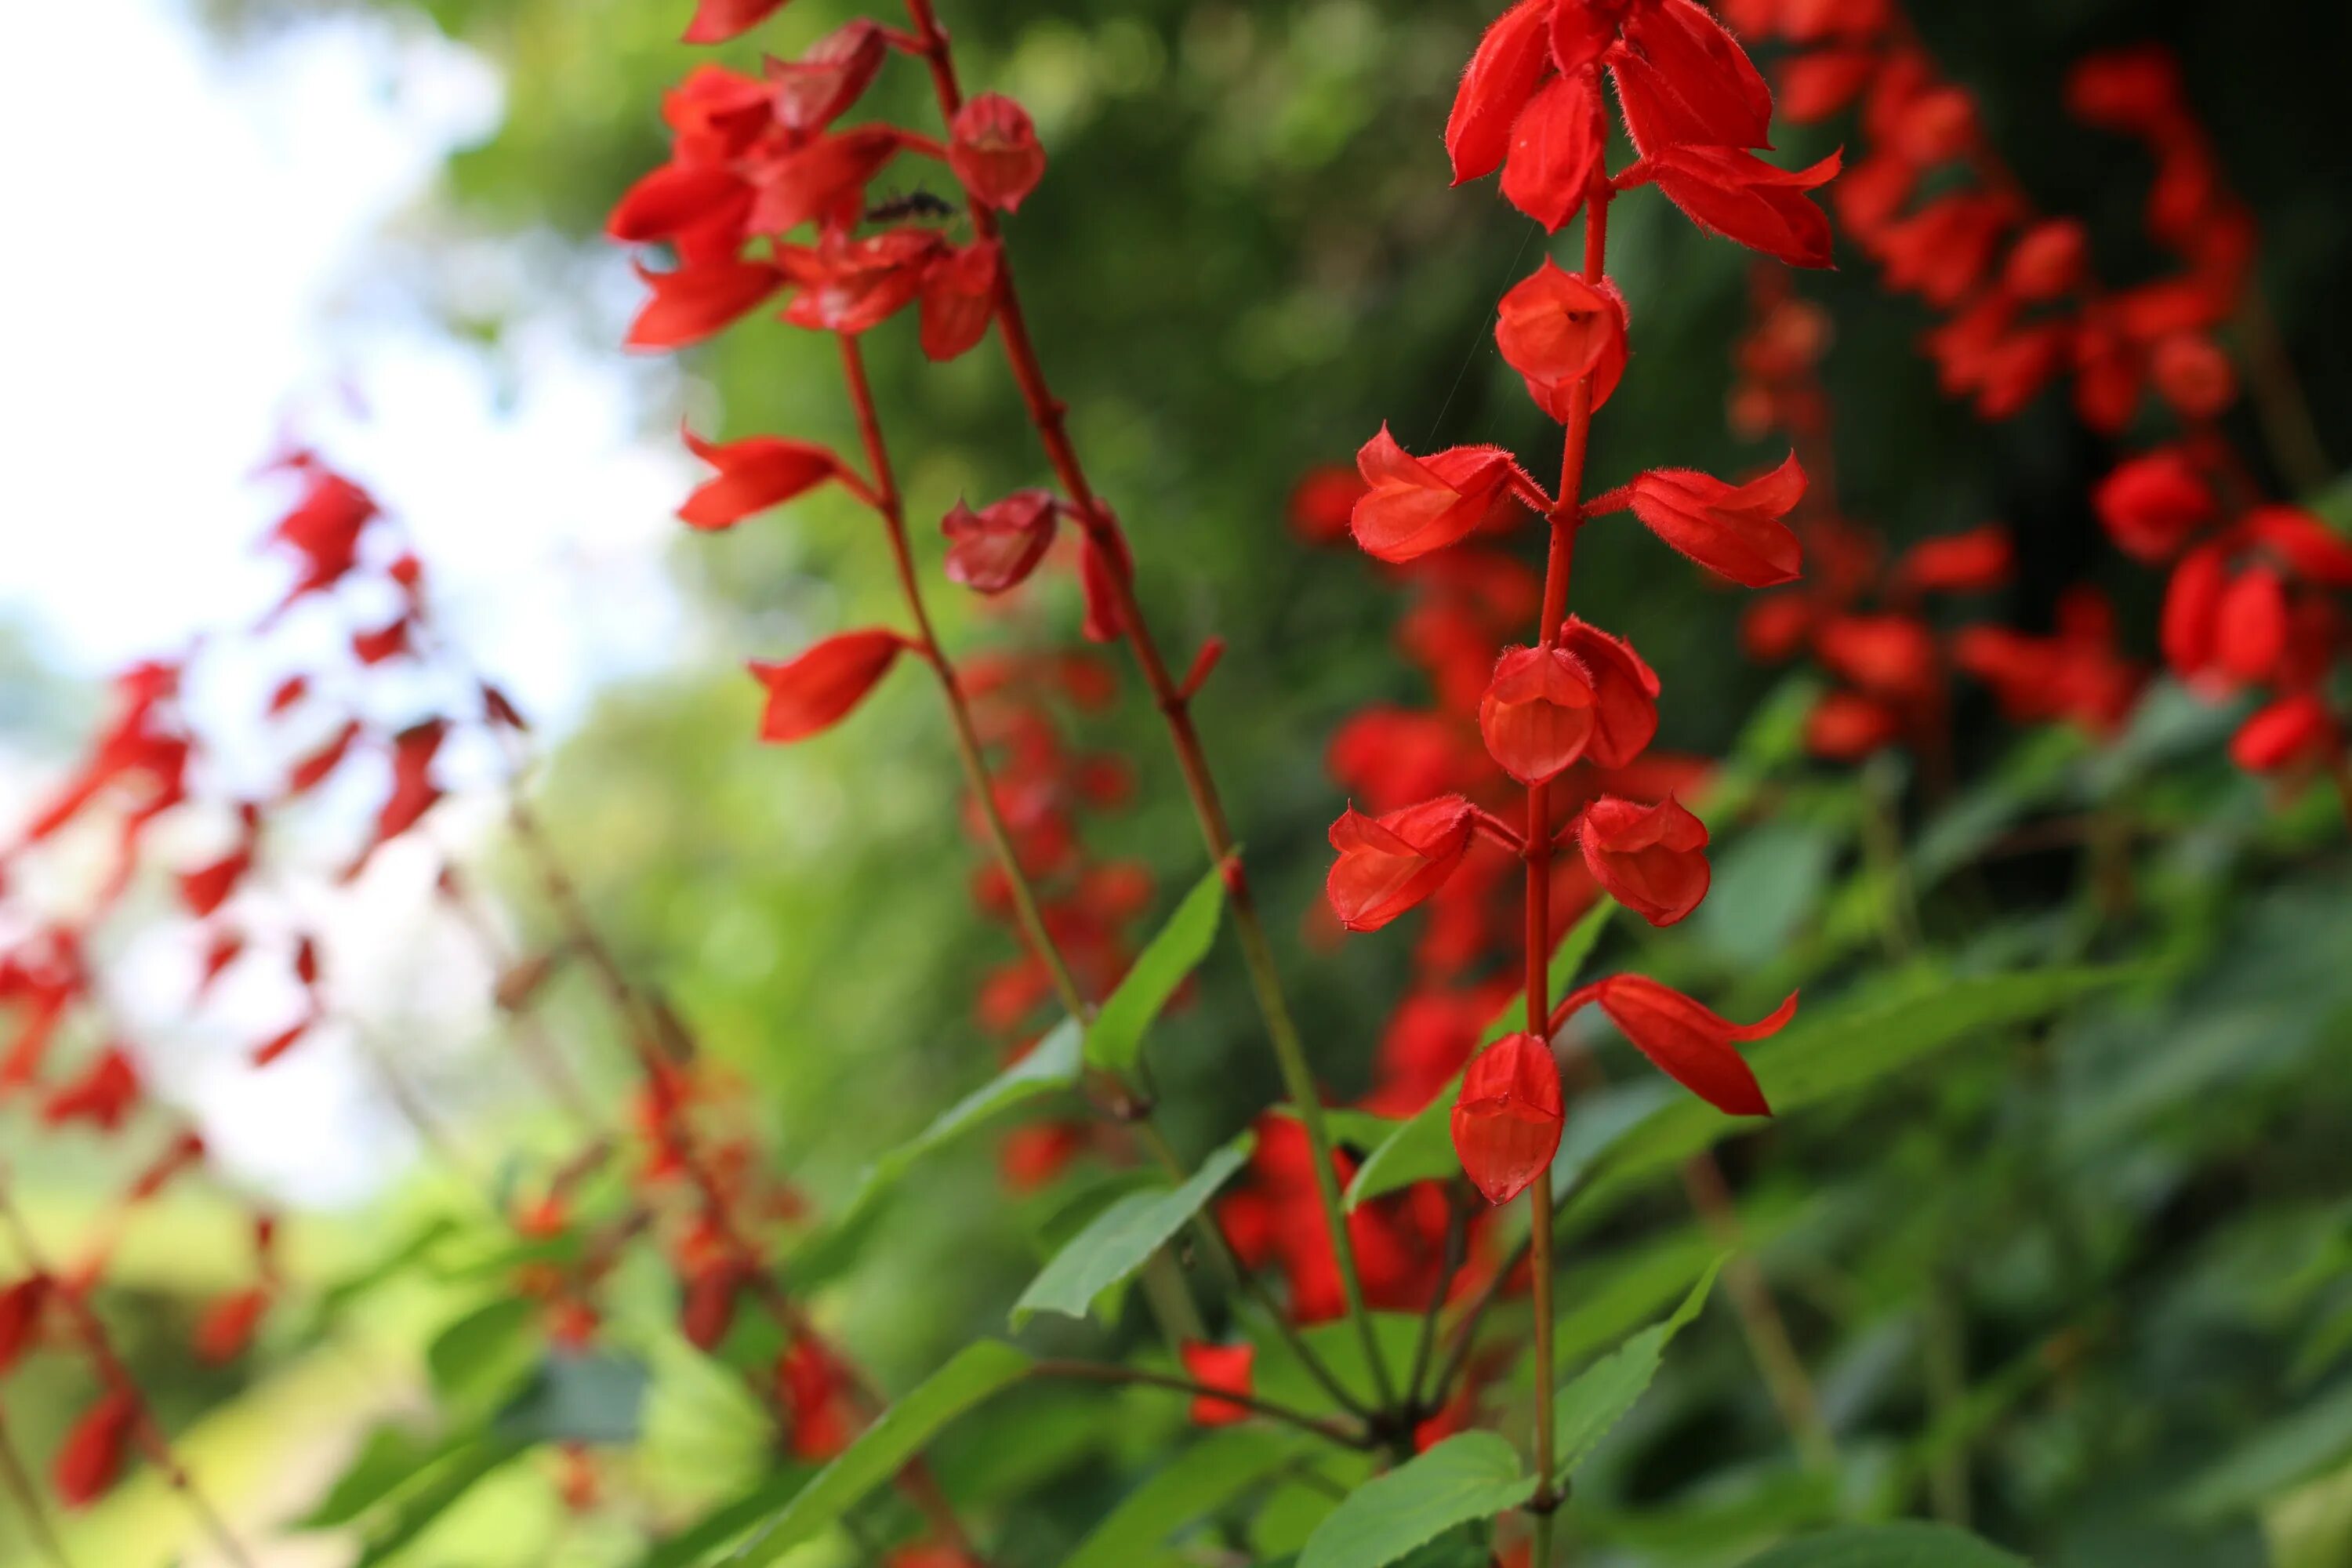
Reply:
x=1760, y=1323
x=1457, y=1247
x=148, y=1432
x=1047, y=413
x=1107, y=1372
x=19, y=1482
x=887, y=502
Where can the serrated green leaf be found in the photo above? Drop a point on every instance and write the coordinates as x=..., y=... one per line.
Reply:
x=1602, y=1394
x=1114, y=1038
x=1200, y=1480
x=1910, y=1545
x=1117, y=1240
x=1422, y=1148
x=1473, y=1476
x=883, y=1449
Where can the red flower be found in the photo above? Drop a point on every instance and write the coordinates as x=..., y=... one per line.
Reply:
x=1388, y=864
x=227, y=1328
x=1774, y=627
x=1508, y=1118
x=1717, y=96
x=1958, y=563
x=91, y=1457
x=2293, y=731
x=1322, y=502
x=716, y=21
x=1417, y=505
x=1556, y=150
x=2049, y=259
x=1555, y=329
x=997, y=547
x=1891, y=654
x=103, y=1095
x=817, y=691
x=1741, y=197
x=1684, y=1040
x=816, y=90
x=1732, y=529
x=1222, y=1367
x=2315, y=552
x=1537, y=713
x=850, y=285
x=822, y=180
x=960, y=298
x=1624, y=691
x=755, y=474
x=2193, y=376
x=677, y=199
x=708, y=1308
x=1510, y=61
x=812, y=1387
x=1651, y=858
x=2151, y=505
x=699, y=300
x=992, y=148
x=1846, y=726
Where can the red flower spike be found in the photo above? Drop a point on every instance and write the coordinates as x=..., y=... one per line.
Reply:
x=716, y=21
x=1508, y=1118
x=1734, y=530
x=992, y=148
x=818, y=689
x=2289, y=733
x=1968, y=563
x=959, y=299
x=1741, y=197
x=1537, y=713
x=698, y=300
x=1556, y=150
x=1418, y=505
x=91, y=1458
x=1649, y=858
x=677, y=199
x=2151, y=504
x=1686, y=1041
x=1624, y=690
x=816, y=90
x=1224, y=1367
x=1555, y=329
x=754, y=475
x=997, y=547
x=1503, y=75
x=1388, y=865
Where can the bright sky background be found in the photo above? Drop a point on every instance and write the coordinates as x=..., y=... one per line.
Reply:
x=198, y=254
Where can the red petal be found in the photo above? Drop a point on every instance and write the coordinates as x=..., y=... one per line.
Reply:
x=818, y=689
x=1502, y=76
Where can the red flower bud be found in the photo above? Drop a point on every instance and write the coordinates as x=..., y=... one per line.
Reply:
x=1773, y=628
x=91, y=1457
x=1651, y=858
x=997, y=547
x=2193, y=605
x=2151, y=504
x=1684, y=1040
x=1846, y=726
x=1966, y=562
x=754, y=475
x=1388, y=864
x=2250, y=624
x=1508, y=1118
x=1734, y=530
x=817, y=691
x=1624, y=692
x=992, y=148
x=1222, y=1367
x=1537, y=715
x=2048, y=259
x=1891, y=654
x=2291, y=730
x=1555, y=329
x=1416, y=505
x=2193, y=376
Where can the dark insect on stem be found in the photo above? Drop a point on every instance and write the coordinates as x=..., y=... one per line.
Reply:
x=918, y=204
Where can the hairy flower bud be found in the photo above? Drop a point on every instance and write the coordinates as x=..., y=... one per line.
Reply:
x=1537, y=715
x=1388, y=865
x=1649, y=858
x=1508, y=1118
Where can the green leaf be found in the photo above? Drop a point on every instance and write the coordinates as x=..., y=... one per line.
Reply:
x=1473, y=1476
x=1049, y=1067
x=1117, y=1240
x=1814, y=1059
x=1888, y=1546
x=724, y=1524
x=1114, y=1039
x=1421, y=1148
x=1762, y=888
x=594, y=1398
x=1200, y=1480
x=387, y=1462
x=419, y=1508
x=883, y=1449
x=1604, y=1393
x=480, y=1357
x=2292, y=1448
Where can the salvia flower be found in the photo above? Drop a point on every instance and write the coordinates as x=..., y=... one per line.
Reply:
x=996, y=547
x=1415, y=505
x=2152, y=504
x=2290, y=732
x=1649, y=858
x=959, y=299
x=92, y=1457
x=818, y=689
x=753, y=474
x=1624, y=692
x=1537, y=713
x=1966, y=562
x=1388, y=864
x=699, y=298
x=1226, y=1368
x=1734, y=530
x=1684, y=1039
x=992, y=148
x=816, y=90
x=1508, y=1118
x=850, y=285
x=1555, y=329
